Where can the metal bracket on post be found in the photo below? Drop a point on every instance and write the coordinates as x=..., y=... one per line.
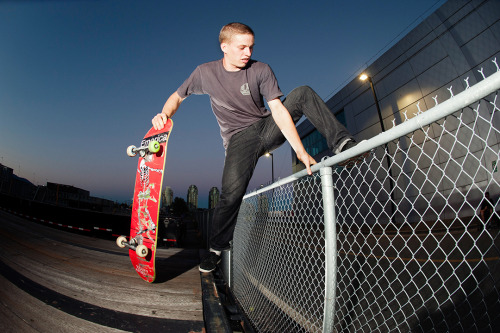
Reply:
x=330, y=248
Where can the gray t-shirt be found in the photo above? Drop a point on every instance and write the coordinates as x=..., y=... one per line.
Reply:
x=236, y=97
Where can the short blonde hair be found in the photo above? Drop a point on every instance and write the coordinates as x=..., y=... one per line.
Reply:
x=234, y=28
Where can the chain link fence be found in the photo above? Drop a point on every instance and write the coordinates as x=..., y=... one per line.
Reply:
x=396, y=243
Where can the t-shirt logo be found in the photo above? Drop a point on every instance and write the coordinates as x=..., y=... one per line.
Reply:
x=245, y=90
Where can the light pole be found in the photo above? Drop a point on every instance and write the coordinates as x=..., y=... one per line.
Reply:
x=364, y=77
x=272, y=165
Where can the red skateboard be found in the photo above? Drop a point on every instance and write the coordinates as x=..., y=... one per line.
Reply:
x=147, y=198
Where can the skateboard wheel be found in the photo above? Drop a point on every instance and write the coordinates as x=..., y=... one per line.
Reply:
x=131, y=151
x=141, y=250
x=120, y=241
x=154, y=146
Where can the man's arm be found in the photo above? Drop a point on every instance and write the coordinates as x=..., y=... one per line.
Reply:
x=169, y=109
x=285, y=123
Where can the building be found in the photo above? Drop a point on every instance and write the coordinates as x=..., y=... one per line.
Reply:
x=6, y=176
x=192, y=197
x=54, y=194
x=453, y=43
x=6, y=173
x=448, y=51
x=167, y=197
x=70, y=196
x=213, y=197
x=14, y=185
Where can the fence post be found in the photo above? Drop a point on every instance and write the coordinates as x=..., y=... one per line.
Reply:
x=330, y=248
x=227, y=264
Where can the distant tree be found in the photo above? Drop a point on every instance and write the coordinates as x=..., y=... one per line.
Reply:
x=179, y=206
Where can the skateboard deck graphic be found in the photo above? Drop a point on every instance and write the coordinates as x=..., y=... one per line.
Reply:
x=147, y=198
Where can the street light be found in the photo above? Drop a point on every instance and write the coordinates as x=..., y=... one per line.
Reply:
x=364, y=77
x=272, y=165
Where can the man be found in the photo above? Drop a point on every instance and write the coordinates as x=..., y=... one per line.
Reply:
x=237, y=86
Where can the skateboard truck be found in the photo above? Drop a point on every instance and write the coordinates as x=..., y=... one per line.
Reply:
x=140, y=249
x=153, y=147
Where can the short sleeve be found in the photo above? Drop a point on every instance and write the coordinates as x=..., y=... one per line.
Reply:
x=192, y=85
x=268, y=86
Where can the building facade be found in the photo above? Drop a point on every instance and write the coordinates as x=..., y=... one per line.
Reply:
x=55, y=194
x=192, y=197
x=446, y=49
x=213, y=197
x=167, y=197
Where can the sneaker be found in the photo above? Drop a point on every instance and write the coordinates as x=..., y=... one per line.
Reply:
x=355, y=159
x=348, y=145
x=344, y=143
x=209, y=263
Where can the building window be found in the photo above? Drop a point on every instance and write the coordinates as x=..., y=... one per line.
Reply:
x=314, y=143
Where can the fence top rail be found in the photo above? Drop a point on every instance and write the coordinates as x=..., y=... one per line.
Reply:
x=457, y=102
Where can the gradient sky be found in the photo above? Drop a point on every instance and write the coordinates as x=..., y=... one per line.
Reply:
x=80, y=80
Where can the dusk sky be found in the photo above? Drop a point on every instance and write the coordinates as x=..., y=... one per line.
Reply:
x=81, y=80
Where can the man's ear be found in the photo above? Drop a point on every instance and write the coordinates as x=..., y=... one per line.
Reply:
x=223, y=47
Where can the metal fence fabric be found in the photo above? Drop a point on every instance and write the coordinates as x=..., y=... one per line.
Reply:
x=281, y=245
x=413, y=252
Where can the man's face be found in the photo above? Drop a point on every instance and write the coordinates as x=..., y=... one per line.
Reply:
x=237, y=52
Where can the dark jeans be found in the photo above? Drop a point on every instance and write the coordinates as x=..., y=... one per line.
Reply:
x=246, y=147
